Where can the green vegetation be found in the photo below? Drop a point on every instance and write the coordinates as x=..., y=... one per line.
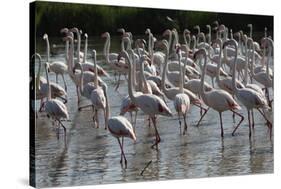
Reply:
x=95, y=19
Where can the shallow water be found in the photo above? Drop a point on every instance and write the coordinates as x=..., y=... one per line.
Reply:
x=92, y=155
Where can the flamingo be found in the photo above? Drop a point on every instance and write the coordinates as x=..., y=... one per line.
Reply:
x=76, y=76
x=80, y=55
x=118, y=126
x=55, y=108
x=97, y=95
x=264, y=77
x=150, y=104
x=59, y=68
x=88, y=66
x=181, y=100
x=42, y=87
x=248, y=97
x=217, y=99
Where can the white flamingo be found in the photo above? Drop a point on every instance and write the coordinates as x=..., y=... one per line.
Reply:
x=217, y=99
x=58, y=67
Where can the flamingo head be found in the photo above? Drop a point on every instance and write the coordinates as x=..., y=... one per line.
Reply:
x=122, y=54
x=147, y=31
x=105, y=35
x=250, y=25
x=167, y=32
x=185, y=48
x=186, y=32
x=45, y=36
x=121, y=30
x=74, y=30
x=64, y=30
x=77, y=66
x=231, y=42
x=198, y=54
x=86, y=35
x=221, y=28
x=67, y=38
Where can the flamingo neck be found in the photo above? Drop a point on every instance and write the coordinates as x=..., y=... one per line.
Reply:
x=48, y=84
x=219, y=64
x=38, y=75
x=181, y=75
x=48, y=49
x=184, y=38
x=81, y=86
x=96, y=72
x=202, y=91
x=163, y=86
x=66, y=50
x=85, y=50
x=247, y=66
x=131, y=90
x=71, y=60
x=234, y=86
x=78, y=46
x=251, y=32
x=107, y=108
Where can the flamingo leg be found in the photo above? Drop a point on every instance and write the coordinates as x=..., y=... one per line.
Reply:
x=118, y=82
x=82, y=107
x=249, y=119
x=242, y=118
x=41, y=105
x=64, y=99
x=157, y=136
x=253, y=119
x=135, y=122
x=185, y=124
x=97, y=117
x=213, y=85
x=221, y=124
x=179, y=121
x=56, y=78
x=104, y=113
x=78, y=95
x=269, y=124
x=65, y=86
x=122, y=152
x=206, y=110
x=64, y=130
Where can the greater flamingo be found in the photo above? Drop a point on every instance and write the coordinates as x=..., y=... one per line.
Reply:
x=58, y=67
x=217, y=99
x=55, y=108
x=150, y=104
x=181, y=100
x=248, y=97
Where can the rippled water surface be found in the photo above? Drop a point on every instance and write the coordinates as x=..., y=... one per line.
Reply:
x=92, y=155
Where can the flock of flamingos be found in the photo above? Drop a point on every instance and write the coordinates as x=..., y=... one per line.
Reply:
x=161, y=70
